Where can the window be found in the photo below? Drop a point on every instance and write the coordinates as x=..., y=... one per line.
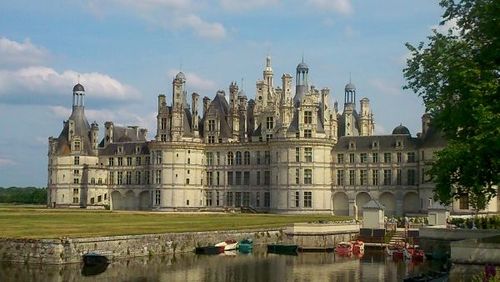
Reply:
x=111, y=177
x=238, y=178
x=297, y=199
x=158, y=157
x=246, y=199
x=75, y=191
x=257, y=156
x=267, y=199
x=138, y=177
x=257, y=199
x=297, y=176
x=352, y=177
x=158, y=177
x=267, y=177
x=76, y=172
x=137, y=160
x=269, y=137
x=76, y=160
x=119, y=178
x=77, y=145
x=92, y=200
x=387, y=157
x=411, y=157
x=229, y=178
x=111, y=161
x=307, y=199
x=375, y=177
x=211, y=125
x=387, y=177
x=351, y=158
x=163, y=137
x=411, y=176
x=258, y=178
x=75, y=200
x=340, y=158
x=129, y=161
x=209, y=178
x=307, y=176
x=99, y=198
x=374, y=157
x=307, y=117
x=398, y=177
x=238, y=158
x=246, y=158
x=230, y=158
x=237, y=199
x=363, y=157
x=157, y=197
x=99, y=181
x=209, y=198
x=297, y=154
x=217, y=198
x=128, y=178
x=269, y=123
x=340, y=177
x=218, y=158
x=363, y=179
x=210, y=158
x=148, y=160
x=464, y=202
x=399, y=157
x=267, y=157
x=308, y=154
x=163, y=124
x=246, y=178
x=307, y=133
x=120, y=161
x=211, y=139
x=146, y=177
x=229, y=199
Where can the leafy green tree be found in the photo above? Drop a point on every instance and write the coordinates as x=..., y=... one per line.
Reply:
x=457, y=74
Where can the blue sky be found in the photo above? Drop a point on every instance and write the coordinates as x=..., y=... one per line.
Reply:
x=126, y=52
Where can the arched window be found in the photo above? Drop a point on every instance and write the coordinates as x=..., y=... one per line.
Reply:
x=238, y=158
x=246, y=159
x=230, y=158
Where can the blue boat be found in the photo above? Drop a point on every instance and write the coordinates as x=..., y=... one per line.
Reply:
x=245, y=246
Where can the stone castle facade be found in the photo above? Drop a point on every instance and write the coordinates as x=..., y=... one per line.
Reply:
x=287, y=151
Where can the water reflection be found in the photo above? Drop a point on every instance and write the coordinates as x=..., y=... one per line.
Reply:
x=257, y=266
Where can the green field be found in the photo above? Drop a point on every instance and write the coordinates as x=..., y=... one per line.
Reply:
x=38, y=222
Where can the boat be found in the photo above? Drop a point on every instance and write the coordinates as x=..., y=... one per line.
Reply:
x=94, y=259
x=209, y=250
x=228, y=245
x=358, y=247
x=245, y=246
x=417, y=255
x=344, y=248
x=282, y=249
x=397, y=252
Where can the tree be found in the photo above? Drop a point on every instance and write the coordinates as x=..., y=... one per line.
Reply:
x=457, y=74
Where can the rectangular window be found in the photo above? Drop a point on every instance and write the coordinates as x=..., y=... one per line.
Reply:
x=352, y=177
x=267, y=199
x=77, y=145
x=399, y=157
x=307, y=199
x=308, y=117
x=257, y=199
x=163, y=124
x=137, y=160
x=209, y=198
x=340, y=158
x=246, y=158
x=267, y=157
x=269, y=123
x=76, y=172
x=76, y=160
x=111, y=161
x=363, y=157
x=75, y=200
x=146, y=177
x=211, y=125
x=297, y=176
x=307, y=133
x=75, y=191
x=375, y=177
x=307, y=176
x=158, y=177
x=157, y=197
x=411, y=176
x=246, y=199
x=209, y=178
x=387, y=177
x=129, y=161
x=257, y=156
x=363, y=179
x=128, y=178
x=238, y=178
x=148, y=160
x=267, y=177
x=374, y=157
x=120, y=178
x=229, y=178
x=308, y=154
x=297, y=154
x=158, y=157
x=398, y=177
x=351, y=158
x=217, y=198
x=229, y=199
x=411, y=157
x=258, y=178
x=163, y=137
x=238, y=158
x=138, y=177
x=464, y=202
x=246, y=178
x=387, y=158
x=210, y=158
x=237, y=199
x=340, y=177
x=120, y=161
x=211, y=139
x=99, y=198
x=297, y=199
x=111, y=177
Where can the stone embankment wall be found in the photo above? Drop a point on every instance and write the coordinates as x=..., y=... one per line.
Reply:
x=67, y=250
x=319, y=236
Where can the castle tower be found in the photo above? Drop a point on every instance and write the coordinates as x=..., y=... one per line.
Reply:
x=162, y=120
x=194, y=113
x=108, y=139
x=366, y=118
x=178, y=93
x=268, y=74
x=350, y=128
x=301, y=82
x=94, y=137
x=234, y=113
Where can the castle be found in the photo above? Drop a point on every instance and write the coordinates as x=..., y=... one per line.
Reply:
x=287, y=151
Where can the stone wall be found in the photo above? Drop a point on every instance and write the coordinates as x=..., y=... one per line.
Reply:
x=311, y=235
x=67, y=250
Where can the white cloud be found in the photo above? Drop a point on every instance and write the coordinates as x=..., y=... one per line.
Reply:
x=13, y=53
x=6, y=162
x=246, y=5
x=201, y=27
x=339, y=6
x=38, y=83
x=195, y=82
x=385, y=87
x=450, y=24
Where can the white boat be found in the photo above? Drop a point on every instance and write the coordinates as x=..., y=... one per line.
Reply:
x=228, y=245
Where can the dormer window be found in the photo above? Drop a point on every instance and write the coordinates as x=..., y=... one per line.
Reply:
x=352, y=145
x=375, y=145
x=399, y=144
x=76, y=145
x=137, y=149
x=120, y=149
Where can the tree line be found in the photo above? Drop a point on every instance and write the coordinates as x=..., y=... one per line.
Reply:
x=23, y=195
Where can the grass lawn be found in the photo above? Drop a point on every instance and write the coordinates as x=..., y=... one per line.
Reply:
x=39, y=222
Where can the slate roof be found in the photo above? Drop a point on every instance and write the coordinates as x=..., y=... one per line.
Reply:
x=129, y=148
x=433, y=138
x=82, y=129
x=385, y=142
x=219, y=105
x=374, y=204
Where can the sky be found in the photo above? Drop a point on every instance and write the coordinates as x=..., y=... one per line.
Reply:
x=126, y=52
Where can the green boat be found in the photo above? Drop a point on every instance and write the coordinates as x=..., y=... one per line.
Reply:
x=245, y=246
x=282, y=249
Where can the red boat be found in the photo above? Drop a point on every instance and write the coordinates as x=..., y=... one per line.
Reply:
x=344, y=249
x=416, y=254
x=358, y=247
x=397, y=252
